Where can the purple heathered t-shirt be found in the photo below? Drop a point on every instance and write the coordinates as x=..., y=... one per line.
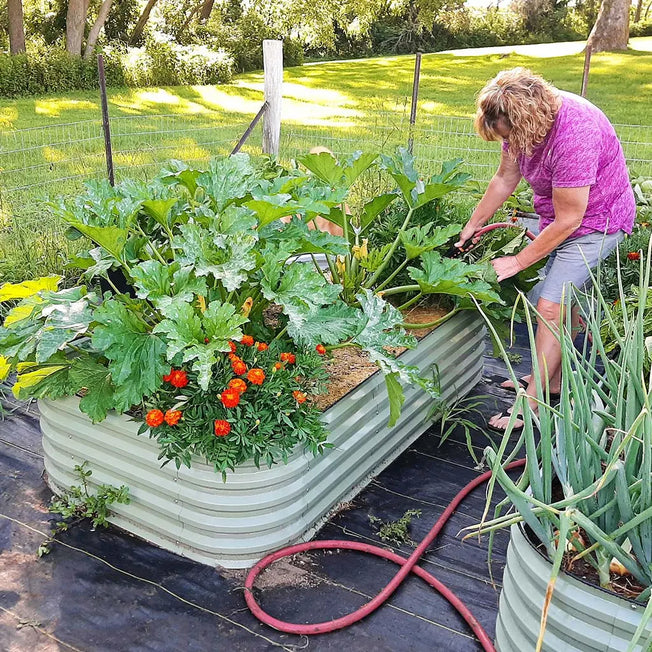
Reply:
x=582, y=149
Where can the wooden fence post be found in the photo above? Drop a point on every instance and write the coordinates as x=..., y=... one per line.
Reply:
x=273, y=66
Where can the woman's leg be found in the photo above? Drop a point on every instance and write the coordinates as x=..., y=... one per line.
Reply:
x=572, y=260
x=554, y=381
x=548, y=352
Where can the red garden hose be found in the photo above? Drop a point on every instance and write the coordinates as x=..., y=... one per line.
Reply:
x=407, y=566
x=501, y=225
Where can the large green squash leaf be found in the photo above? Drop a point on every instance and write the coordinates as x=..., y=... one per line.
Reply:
x=200, y=337
x=160, y=210
x=228, y=254
x=228, y=179
x=328, y=169
x=110, y=238
x=165, y=284
x=419, y=239
x=416, y=192
x=67, y=314
x=311, y=325
x=453, y=277
x=272, y=207
x=136, y=355
x=95, y=379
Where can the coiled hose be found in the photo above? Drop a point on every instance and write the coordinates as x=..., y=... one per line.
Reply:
x=407, y=566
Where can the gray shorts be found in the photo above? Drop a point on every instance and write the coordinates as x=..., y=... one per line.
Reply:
x=570, y=263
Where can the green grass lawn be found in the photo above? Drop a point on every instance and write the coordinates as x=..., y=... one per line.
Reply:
x=49, y=145
x=350, y=92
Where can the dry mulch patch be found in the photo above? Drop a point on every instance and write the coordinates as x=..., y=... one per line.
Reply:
x=349, y=366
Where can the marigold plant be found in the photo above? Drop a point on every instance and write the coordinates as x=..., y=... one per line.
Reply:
x=234, y=421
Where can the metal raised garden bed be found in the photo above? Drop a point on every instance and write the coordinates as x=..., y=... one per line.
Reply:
x=194, y=513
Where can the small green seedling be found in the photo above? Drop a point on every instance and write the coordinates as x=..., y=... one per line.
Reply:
x=396, y=532
x=78, y=503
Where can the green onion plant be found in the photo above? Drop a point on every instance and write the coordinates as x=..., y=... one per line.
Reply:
x=589, y=458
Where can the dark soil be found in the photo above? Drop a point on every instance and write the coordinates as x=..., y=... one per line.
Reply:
x=624, y=586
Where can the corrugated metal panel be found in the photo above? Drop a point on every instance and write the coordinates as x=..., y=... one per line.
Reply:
x=581, y=618
x=233, y=524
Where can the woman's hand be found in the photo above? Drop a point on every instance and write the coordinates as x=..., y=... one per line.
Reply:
x=506, y=267
x=466, y=234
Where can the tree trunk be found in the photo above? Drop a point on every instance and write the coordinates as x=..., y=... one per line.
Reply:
x=611, y=29
x=97, y=28
x=142, y=21
x=207, y=8
x=16, y=26
x=639, y=7
x=184, y=27
x=75, y=24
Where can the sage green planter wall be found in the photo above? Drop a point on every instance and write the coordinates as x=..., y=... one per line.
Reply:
x=581, y=617
x=234, y=524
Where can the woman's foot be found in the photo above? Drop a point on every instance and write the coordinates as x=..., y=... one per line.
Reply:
x=499, y=422
x=523, y=382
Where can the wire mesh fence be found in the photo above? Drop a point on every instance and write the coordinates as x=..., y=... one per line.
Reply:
x=54, y=161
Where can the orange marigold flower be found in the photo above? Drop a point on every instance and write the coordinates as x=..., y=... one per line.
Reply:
x=261, y=346
x=177, y=378
x=247, y=340
x=288, y=357
x=172, y=417
x=634, y=255
x=154, y=418
x=278, y=366
x=256, y=376
x=239, y=368
x=222, y=428
x=232, y=346
x=321, y=349
x=299, y=397
x=238, y=384
x=230, y=397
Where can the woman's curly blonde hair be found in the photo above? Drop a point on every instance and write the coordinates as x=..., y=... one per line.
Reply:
x=527, y=104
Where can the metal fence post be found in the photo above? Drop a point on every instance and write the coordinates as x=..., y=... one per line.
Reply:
x=273, y=67
x=415, y=100
x=105, y=120
x=250, y=128
x=587, y=66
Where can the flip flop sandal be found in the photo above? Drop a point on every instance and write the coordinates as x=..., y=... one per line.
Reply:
x=554, y=396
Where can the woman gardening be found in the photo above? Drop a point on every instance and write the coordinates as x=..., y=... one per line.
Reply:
x=568, y=151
